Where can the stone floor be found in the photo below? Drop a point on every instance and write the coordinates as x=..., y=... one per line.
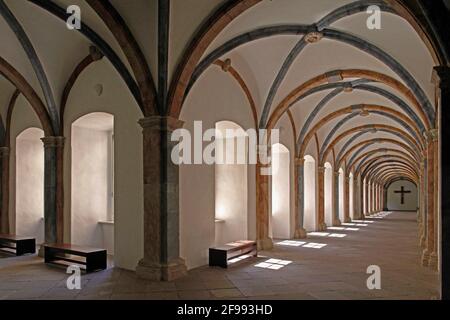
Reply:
x=331, y=265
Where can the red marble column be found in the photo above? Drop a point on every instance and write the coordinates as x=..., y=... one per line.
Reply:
x=321, y=225
x=4, y=213
x=347, y=199
x=262, y=208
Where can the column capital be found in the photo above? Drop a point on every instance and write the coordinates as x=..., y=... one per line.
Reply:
x=441, y=76
x=53, y=141
x=299, y=161
x=336, y=173
x=321, y=169
x=160, y=123
x=4, y=152
x=432, y=135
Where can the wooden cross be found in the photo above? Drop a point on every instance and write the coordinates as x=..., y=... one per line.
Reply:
x=402, y=191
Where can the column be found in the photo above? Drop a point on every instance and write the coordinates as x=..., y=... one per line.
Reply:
x=385, y=207
x=4, y=213
x=422, y=205
x=429, y=256
x=262, y=207
x=321, y=225
x=336, y=220
x=347, y=199
x=300, y=232
x=53, y=189
x=161, y=261
x=357, y=198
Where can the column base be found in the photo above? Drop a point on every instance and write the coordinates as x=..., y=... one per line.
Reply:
x=433, y=261
x=347, y=220
x=161, y=272
x=322, y=227
x=337, y=223
x=425, y=258
x=264, y=244
x=300, y=233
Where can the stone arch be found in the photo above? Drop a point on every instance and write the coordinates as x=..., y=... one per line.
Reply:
x=281, y=211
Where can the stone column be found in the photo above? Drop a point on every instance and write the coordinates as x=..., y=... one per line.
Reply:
x=366, y=202
x=300, y=232
x=53, y=189
x=4, y=213
x=321, y=225
x=385, y=207
x=357, y=198
x=335, y=197
x=429, y=257
x=161, y=261
x=422, y=206
x=262, y=207
x=347, y=199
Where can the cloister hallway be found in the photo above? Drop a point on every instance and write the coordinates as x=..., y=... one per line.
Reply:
x=335, y=271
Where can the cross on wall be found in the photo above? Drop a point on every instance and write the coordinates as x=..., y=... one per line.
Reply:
x=403, y=192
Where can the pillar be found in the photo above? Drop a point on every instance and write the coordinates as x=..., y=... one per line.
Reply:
x=161, y=261
x=53, y=189
x=335, y=197
x=347, y=199
x=262, y=207
x=321, y=225
x=4, y=213
x=357, y=198
x=422, y=205
x=300, y=232
x=429, y=256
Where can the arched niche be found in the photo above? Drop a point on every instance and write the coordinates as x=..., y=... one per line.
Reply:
x=310, y=217
x=280, y=191
x=328, y=194
x=92, y=205
x=402, y=196
x=29, y=202
x=341, y=194
x=231, y=184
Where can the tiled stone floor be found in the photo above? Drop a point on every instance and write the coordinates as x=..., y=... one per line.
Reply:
x=334, y=271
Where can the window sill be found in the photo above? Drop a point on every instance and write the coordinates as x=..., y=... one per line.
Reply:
x=219, y=221
x=106, y=222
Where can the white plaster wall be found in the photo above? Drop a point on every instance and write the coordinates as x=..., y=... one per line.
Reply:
x=328, y=193
x=128, y=200
x=90, y=189
x=281, y=192
x=30, y=184
x=310, y=219
x=394, y=199
x=23, y=117
x=215, y=97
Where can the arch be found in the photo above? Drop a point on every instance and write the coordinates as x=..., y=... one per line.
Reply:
x=13, y=76
x=29, y=195
x=281, y=210
x=92, y=181
x=309, y=194
x=403, y=201
x=286, y=103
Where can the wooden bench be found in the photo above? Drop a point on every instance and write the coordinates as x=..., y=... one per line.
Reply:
x=221, y=255
x=17, y=245
x=91, y=258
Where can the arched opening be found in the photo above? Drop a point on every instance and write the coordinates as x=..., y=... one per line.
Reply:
x=231, y=187
x=365, y=197
x=310, y=218
x=280, y=192
x=402, y=196
x=328, y=194
x=341, y=195
x=92, y=204
x=30, y=184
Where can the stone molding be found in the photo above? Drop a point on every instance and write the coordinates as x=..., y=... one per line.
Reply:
x=53, y=142
x=161, y=123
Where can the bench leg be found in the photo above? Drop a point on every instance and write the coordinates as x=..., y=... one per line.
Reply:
x=96, y=261
x=25, y=247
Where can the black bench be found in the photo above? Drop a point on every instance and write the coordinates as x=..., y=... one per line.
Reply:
x=94, y=259
x=221, y=255
x=17, y=245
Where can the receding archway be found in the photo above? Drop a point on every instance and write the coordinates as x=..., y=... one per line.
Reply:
x=30, y=184
x=231, y=185
x=310, y=217
x=92, y=204
x=328, y=194
x=280, y=192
